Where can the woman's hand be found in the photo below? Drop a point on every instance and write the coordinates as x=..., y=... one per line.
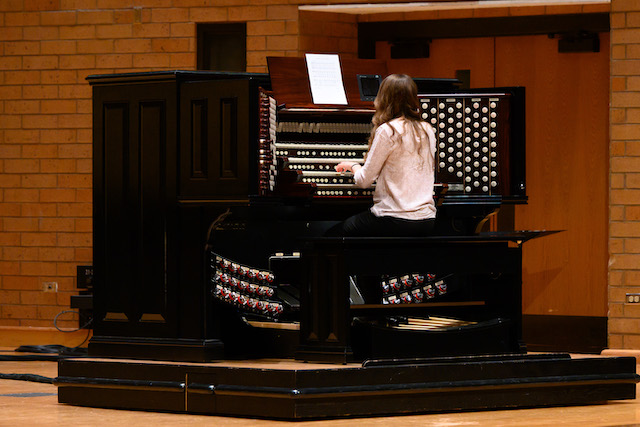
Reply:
x=347, y=166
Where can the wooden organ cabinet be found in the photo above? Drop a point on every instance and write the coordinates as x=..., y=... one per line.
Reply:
x=213, y=193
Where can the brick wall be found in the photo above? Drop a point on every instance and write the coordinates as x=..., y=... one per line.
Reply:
x=47, y=48
x=624, y=199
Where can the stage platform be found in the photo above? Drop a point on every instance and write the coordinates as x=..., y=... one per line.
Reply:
x=291, y=390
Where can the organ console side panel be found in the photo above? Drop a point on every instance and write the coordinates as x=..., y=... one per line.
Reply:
x=156, y=192
x=132, y=226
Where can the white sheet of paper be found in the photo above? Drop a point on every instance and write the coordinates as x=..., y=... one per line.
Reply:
x=325, y=79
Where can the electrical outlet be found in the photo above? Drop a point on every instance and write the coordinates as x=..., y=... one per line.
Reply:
x=633, y=298
x=50, y=286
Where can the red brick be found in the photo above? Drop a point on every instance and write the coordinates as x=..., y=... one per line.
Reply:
x=66, y=268
x=64, y=254
x=151, y=60
x=457, y=13
x=75, y=181
x=123, y=16
x=58, y=165
x=21, y=48
x=132, y=45
x=11, y=253
x=77, y=61
x=23, y=77
x=94, y=17
x=114, y=61
x=74, y=209
x=59, y=77
x=81, y=91
x=632, y=148
x=85, y=195
x=75, y=239
x=84, y=166
x=11, y=5
x=29, y=268
x=21, y=165
x=39, y=209
x=183, y=60
x=9, y=239
x=22, y=19
x=38, y=298
x=10, y=33
x=57, y=195
x=39, y=121
x=10, y=209
x=38, y=239
x=84, y=254
x=78, y=32
x=183, y=29
x=11, y=92
x=57, y=224
x=625, y=5
x=10, y=297
x=22, y=107
x=204, y=14
x=95, y=46
x=20, y=283
x=265, y=28
x=632, y=213
x=79, y=151
x=171, y=45
x=39, y=181
x=624, y=164
x=251, y=13
x=596, y=8
x=19, y=311
x=64, y=17
x=20, y=224
x=624, y=229
x=632, y=51
x=10, y=121
x=20, y=136
x=625, y=131
x=39, y=151
x=74, y=121
x=9, y=180
x=11, y=63
x=40, y=33
x=285, y=12
x=40, y=92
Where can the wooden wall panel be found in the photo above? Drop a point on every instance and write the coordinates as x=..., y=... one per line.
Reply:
x=567, y=157
x=567, y=172
x=446, y=56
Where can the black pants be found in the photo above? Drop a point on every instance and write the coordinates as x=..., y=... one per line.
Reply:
x=367, y=224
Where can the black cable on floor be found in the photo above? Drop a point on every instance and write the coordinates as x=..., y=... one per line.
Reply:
x=27, y=377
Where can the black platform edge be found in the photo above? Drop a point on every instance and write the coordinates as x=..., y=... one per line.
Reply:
x=458, y=385
x=575, y=334
x=178, y=350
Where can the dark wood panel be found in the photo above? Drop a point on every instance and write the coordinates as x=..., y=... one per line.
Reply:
x=134, y=260
x=290, y=81
x=216, y=161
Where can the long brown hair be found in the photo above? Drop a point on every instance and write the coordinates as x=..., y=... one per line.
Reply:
x=398, y=97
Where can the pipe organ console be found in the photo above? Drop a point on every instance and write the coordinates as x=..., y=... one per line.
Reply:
x=255, y=180
x=212, y=195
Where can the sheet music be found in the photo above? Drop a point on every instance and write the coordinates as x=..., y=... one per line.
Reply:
x=325, y=79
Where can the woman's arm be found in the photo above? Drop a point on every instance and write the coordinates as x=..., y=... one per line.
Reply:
x=364, y=176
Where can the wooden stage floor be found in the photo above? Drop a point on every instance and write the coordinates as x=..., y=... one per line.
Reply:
x=31, y=403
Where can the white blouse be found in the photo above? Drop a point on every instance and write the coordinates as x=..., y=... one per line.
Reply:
x=405, y=177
